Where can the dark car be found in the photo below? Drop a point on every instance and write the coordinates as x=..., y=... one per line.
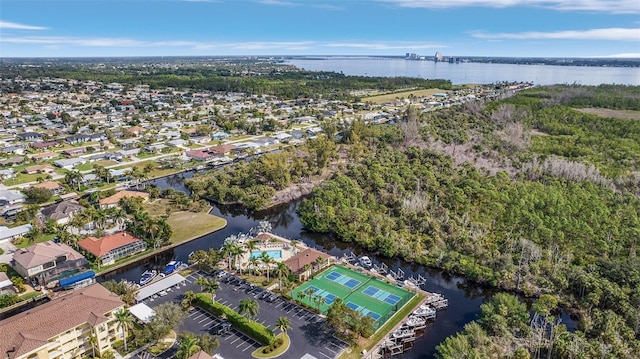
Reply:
x=223, y=328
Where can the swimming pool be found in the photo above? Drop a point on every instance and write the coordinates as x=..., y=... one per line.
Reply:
x=273, y=253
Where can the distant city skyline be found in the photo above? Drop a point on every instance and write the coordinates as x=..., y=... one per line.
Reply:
x=499, y=28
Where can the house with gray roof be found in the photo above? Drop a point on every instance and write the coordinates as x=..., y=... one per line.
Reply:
x=11, y=197
x=9, y=234
x=62, y=212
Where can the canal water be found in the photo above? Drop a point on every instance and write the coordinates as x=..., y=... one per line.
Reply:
x=464, y=298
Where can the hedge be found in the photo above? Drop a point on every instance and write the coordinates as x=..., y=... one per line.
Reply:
x=251, y=328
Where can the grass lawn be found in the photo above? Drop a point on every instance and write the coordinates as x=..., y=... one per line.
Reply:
x=105, y=163
x=238, y=138
x=188, y=225
x=392, y=96
x=24, y=242
x=21, y=178
x=156, y=172
x=85, y=167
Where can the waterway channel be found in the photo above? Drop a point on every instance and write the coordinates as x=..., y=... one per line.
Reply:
x=464, y=298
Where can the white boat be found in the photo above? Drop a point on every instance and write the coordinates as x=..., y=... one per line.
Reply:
x=402, y=333
x=415, y=321
x=148, y=276
x=425, y=311
x=365, y=261
x=410, y=284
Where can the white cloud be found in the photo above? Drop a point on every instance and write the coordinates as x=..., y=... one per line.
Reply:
x=608, y=6
x=16, y=26
x=246, y=46
x=277, y=3
x=612, y=34
x=624, y=55
x=383, y=46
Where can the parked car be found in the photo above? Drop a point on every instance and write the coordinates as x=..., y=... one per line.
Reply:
x=271, y=298
x=223, y=328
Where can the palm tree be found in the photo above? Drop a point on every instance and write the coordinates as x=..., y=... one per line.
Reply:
x=187, y=298
x=283, y=324
x=229, y=248
x=253, y=262
x=307, y=269
x=93, y=341
x=119, y=216
x=74, y=178
x=188, y=346
x=280, y=270
x=319, y=262
x=319, y=300
x=249, y=307
x=294, y=243
x=210, y=285
x=123, y=320
x=264, y=257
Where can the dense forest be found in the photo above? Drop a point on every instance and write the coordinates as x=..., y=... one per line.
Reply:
x=529, y=194
x=554, y=213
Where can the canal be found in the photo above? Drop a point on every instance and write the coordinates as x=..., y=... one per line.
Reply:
x=464, y=298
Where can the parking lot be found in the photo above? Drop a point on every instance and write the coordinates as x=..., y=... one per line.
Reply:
x=308, y=334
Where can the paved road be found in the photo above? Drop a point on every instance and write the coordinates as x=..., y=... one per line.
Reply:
x=308, y=334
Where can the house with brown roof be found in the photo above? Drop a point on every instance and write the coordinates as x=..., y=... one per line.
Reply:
x=303, y=262
x=46, y=261
x=54, y=187
x=113, y=200
x=44, y=156
x=112, y=247
x=222, y=150
x=43, y=169
x=62, y=328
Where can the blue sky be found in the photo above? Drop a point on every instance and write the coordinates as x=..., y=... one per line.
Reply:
x=540, y=28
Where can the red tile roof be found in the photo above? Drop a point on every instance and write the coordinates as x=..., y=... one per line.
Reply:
x=101, y=246
x=33, y=328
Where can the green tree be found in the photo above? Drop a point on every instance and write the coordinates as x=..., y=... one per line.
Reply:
x=248, y=307
x=123, y=320
x=283, y=324
x=188, y=345
x=209, y=285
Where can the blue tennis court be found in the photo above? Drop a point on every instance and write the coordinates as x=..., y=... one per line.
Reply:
x=363, y=310
x=381, y=295
x=342, y=279
x=328, y=297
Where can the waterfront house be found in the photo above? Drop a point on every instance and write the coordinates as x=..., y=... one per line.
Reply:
x=222, y=150
x=47, y=261
x=199, y=156
x=112, y=247
x=62, y=328
x=112, y=201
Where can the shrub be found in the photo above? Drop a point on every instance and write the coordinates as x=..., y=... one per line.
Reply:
x=251, y=328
